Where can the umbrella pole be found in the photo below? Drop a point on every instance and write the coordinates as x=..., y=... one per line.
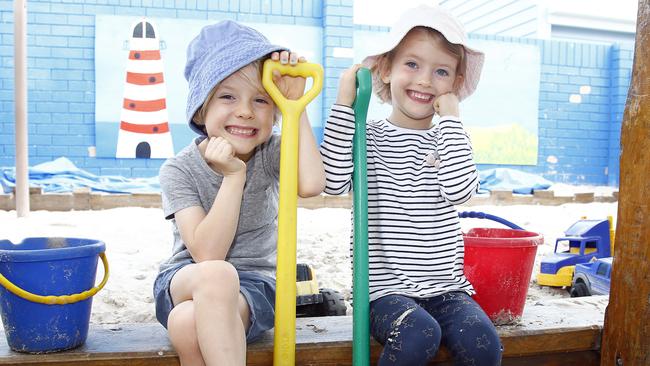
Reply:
x=20, y=73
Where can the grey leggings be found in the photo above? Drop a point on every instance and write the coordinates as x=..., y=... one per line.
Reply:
x=411, y=330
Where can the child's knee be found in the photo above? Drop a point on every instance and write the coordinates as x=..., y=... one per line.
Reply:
x=218, y=280
x=418, y=332
x=181, y=327
x=414, y=338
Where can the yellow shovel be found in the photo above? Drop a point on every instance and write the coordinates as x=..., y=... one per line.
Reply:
x=284, y=351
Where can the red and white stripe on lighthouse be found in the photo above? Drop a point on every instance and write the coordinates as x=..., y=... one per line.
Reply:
x=144, y=122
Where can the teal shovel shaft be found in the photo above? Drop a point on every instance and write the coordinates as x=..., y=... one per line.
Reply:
x=360, y=293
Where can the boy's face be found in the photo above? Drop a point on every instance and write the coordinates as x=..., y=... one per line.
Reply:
x=241, y=112
x=421, y=71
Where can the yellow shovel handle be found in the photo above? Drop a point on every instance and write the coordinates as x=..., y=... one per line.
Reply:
x=58, y=300
x=284, y=351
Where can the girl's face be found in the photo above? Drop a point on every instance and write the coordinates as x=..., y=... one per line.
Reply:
x=421, y=70
x=241, y=112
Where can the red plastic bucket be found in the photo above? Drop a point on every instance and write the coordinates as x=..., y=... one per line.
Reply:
x=499, y=263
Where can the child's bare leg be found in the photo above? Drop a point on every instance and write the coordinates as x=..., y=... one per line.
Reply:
x=182, y=333
x=212, y=289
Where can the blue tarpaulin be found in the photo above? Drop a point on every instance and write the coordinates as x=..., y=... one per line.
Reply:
x=61, y=175
x=505, y=179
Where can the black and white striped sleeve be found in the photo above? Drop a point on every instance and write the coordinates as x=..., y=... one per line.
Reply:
x=458, y=176
x=336, y=149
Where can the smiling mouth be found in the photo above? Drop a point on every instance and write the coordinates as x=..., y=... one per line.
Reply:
x=241, y=131
x=420, y=97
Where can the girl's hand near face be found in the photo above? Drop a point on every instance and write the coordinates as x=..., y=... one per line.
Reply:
x=291, y=87
x=348, y=86
x=447, y=105
x=220, y=156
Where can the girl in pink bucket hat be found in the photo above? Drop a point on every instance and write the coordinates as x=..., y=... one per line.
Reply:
x=418, y=172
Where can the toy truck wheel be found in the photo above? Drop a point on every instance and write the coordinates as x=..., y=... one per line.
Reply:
x=333, y=303
x=579, y=289
x=309, y=311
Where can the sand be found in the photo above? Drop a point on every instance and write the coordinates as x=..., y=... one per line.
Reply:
x=138, y=239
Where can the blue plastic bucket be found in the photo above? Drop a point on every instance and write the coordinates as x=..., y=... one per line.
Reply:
x=46, y=292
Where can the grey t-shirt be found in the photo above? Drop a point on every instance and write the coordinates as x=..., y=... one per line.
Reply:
x=187, y=180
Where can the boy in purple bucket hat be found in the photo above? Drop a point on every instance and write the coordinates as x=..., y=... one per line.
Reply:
x=217, y=290
x=418, y=171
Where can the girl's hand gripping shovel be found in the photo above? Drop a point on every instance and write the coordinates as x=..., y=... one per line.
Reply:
x=361, y=316
x=284, y=351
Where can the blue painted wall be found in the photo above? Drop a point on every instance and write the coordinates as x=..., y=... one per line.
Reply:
x=578, y=143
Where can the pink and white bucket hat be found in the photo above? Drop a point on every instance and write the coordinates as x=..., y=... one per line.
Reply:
x=441, y=20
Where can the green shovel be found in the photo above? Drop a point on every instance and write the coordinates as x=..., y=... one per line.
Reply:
x=361, y=297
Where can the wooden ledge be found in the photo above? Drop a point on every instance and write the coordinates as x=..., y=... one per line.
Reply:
x=327, y=341
x=83, y=199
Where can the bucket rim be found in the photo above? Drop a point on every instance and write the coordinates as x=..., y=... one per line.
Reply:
x=91, y=248
x=498, y=244
x=534, y=240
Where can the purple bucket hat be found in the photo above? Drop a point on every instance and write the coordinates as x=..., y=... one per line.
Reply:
x=216, y=53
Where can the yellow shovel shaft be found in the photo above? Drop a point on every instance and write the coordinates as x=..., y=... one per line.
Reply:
x=284, y=351
x=285, y=300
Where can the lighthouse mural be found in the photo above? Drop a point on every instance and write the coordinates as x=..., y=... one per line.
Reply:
x=144, y=122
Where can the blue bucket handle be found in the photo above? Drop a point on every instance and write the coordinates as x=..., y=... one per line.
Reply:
x=483, y=215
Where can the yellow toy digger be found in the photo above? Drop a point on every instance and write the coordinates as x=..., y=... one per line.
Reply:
x=312, y=301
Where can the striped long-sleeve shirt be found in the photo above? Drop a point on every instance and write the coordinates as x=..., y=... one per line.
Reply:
x=415, y=178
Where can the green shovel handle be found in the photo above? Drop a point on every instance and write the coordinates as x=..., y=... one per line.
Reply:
x=361, y=309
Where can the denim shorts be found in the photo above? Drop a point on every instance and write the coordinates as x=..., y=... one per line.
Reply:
x=258, y=290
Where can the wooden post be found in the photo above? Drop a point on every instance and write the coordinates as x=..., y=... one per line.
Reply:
x=626, y=337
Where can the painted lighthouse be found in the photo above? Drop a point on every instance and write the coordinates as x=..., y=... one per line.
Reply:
x=144, y=122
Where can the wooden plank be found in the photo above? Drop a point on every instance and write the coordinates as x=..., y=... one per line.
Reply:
x=51, y=201
x=132, y=344
x=147, y=345
x=328, y=340
x=146, y=360
x=81, y=198
x=626, y=339
x=84, y=199
x=585, y=358
x=558, y=340
x=586, y=197
x=320, y=341
x=7, y=202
